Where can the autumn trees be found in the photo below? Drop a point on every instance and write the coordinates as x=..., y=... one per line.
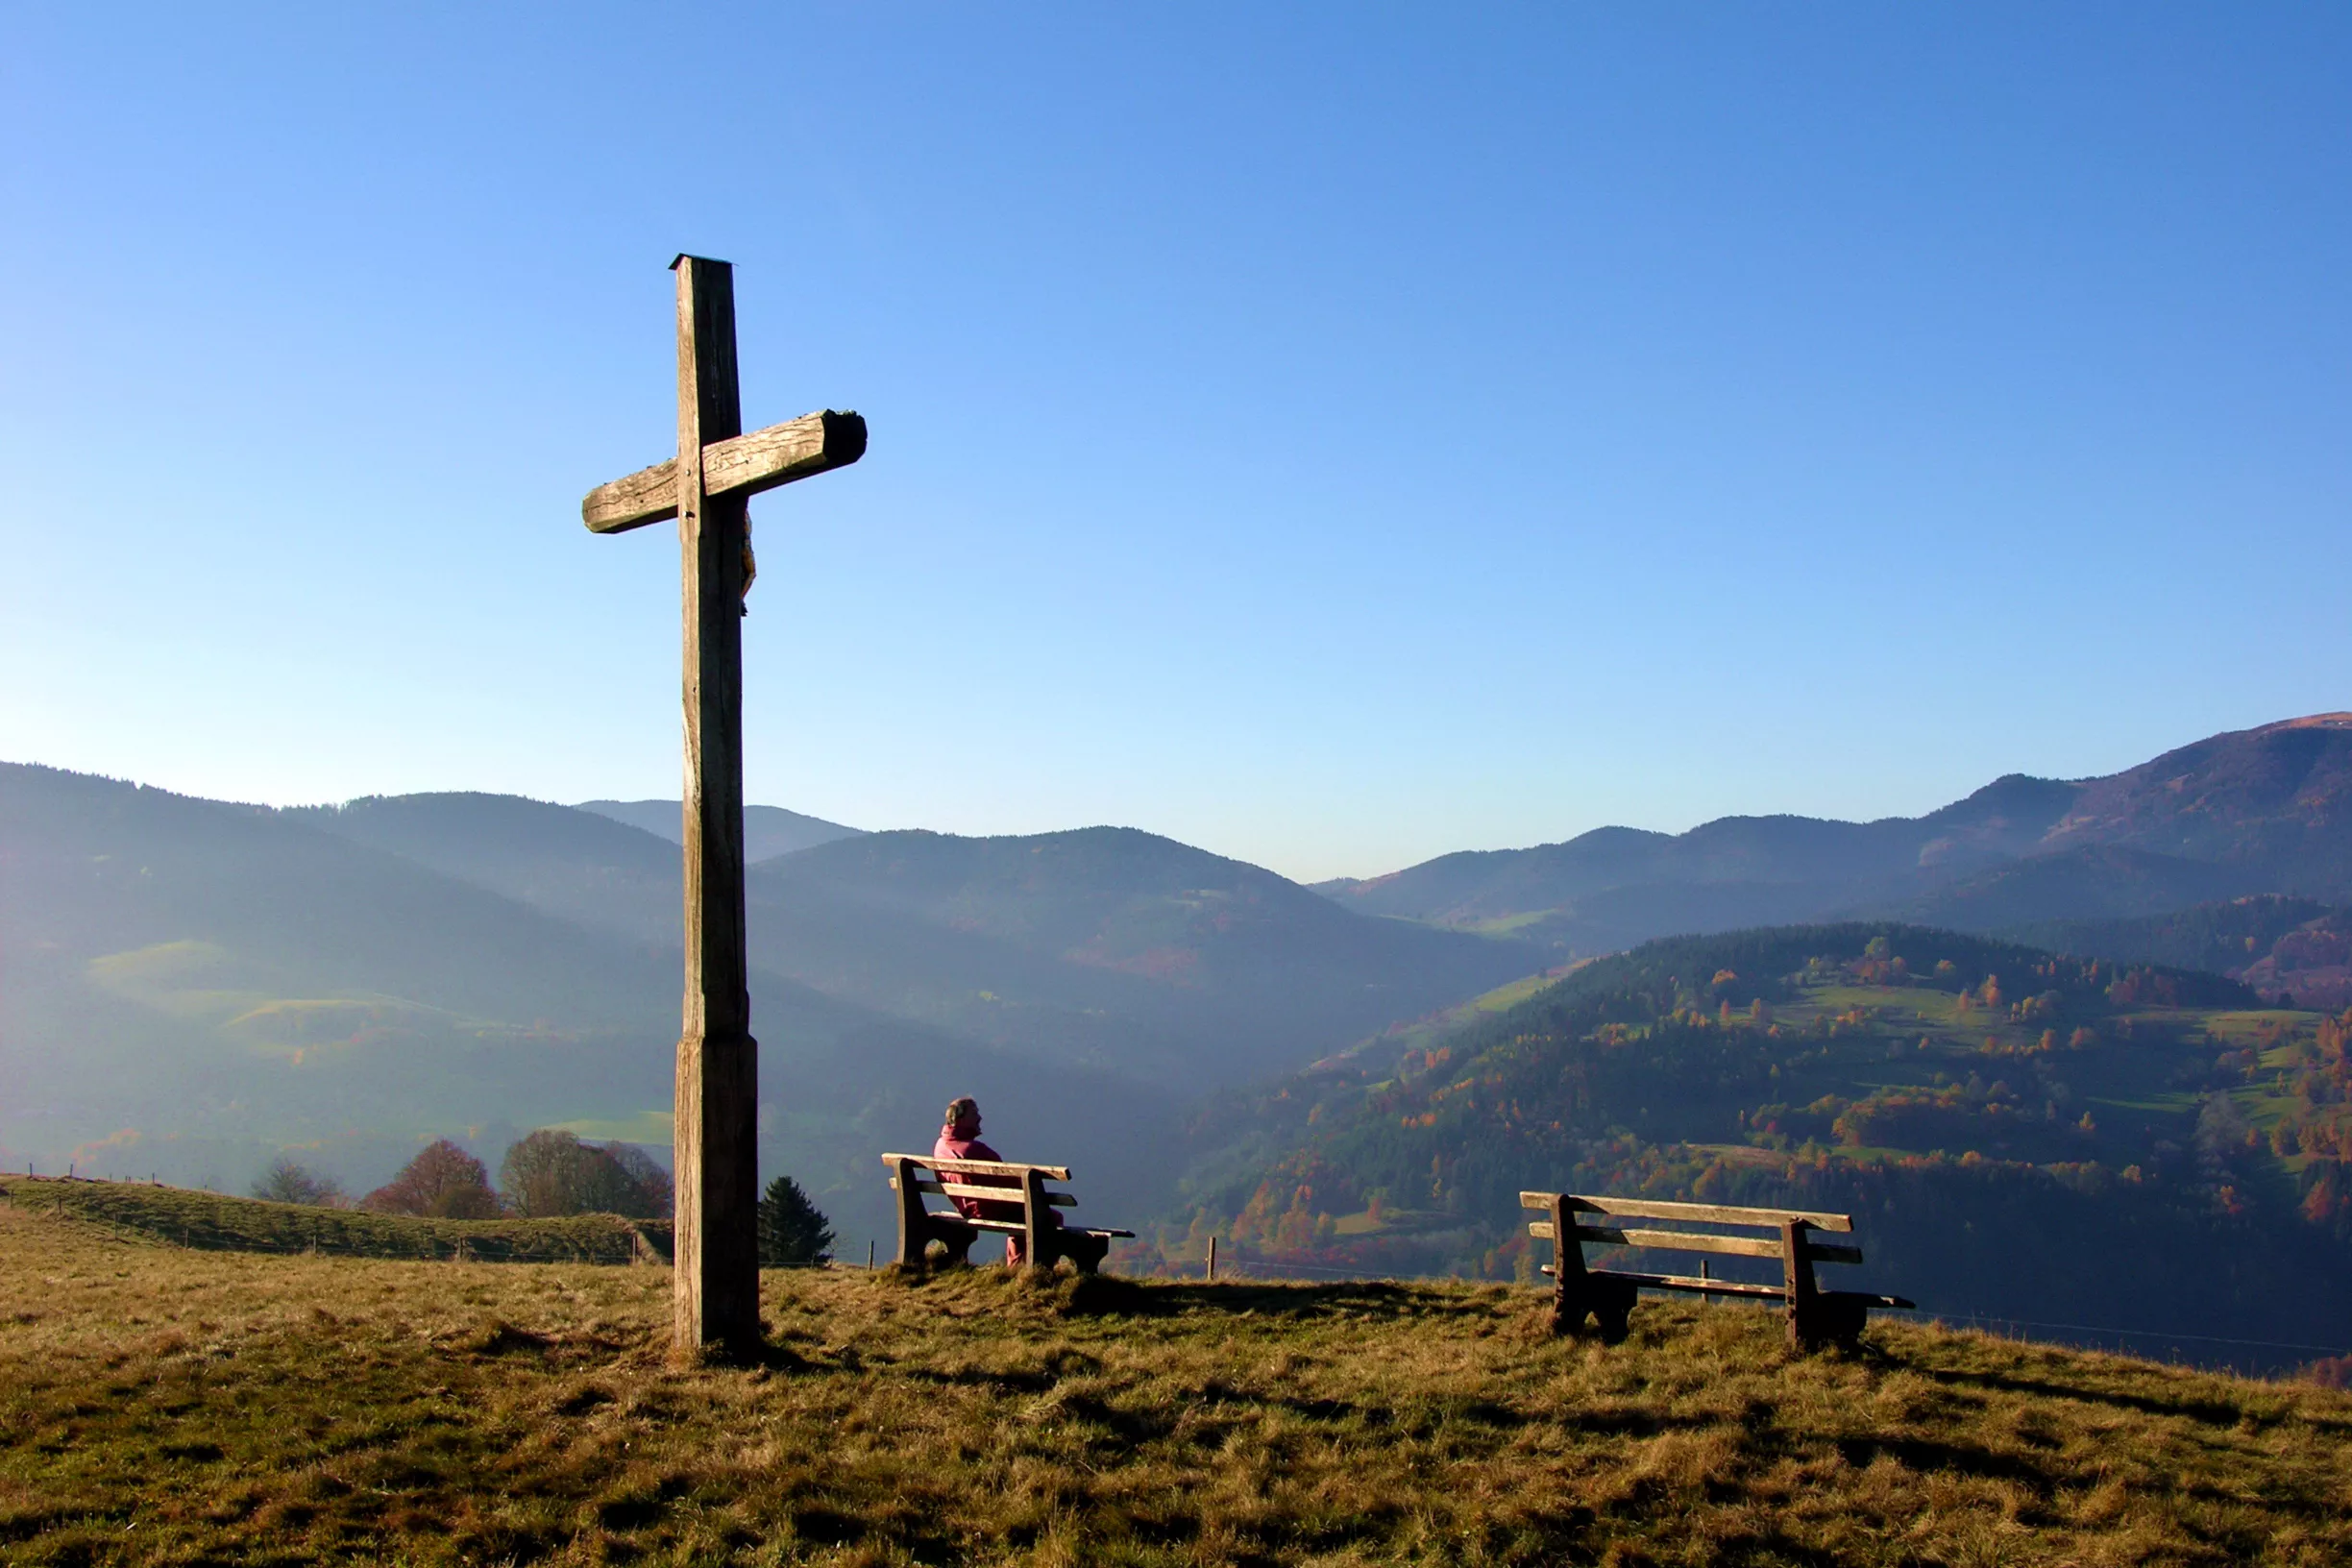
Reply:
x=546, y=1174
x=443, y=1181
x=551, y=1172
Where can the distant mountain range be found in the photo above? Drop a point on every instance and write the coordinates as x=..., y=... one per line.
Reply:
x=1104, y=947
x=2266, y=810
x=191, y=985
x=769, y=831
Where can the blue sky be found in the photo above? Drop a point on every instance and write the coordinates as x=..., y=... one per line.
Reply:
x=1329, y=435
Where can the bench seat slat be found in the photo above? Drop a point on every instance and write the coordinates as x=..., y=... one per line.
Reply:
x=999, y=1194
x=1737, y=1246
x=1014, y=1227
x=979, y=1168
x=1719, y=1214
x=1692, y=1284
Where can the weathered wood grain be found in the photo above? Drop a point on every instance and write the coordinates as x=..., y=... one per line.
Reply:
x=1737, y=1246
x=715, y=1276
x=741, y=466
x=965, y=1189
x=1717, y=1213
x=979, y=1168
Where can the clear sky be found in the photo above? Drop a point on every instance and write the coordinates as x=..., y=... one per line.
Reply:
x=1328, y=435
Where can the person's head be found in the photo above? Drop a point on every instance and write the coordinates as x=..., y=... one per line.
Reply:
x=963, y=1117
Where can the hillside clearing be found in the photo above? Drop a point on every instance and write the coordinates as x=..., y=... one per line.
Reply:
x=162, y=1404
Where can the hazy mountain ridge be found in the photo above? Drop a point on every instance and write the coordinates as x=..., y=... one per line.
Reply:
x=406, y=964
x=1105, y=947
x=2251, y=811
x=1112, y=929
x=769, y=831
x=229, y=979
x=576, y=864
x=193, y=986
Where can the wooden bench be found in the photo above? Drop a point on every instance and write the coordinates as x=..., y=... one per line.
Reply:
x=1815, y=1317
x=1042, y=1241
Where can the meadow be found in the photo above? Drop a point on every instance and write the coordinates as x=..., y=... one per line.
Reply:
x=212, y=1223
x=161, y=1404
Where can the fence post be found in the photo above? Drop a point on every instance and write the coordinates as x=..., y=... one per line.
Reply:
x=1213, y=1257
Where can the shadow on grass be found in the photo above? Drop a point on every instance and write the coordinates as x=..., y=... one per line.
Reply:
x=2211, y=1413
x=1925, y=1456
x=1108, y=1295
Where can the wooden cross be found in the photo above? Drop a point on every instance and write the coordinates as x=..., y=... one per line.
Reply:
x=707, y=487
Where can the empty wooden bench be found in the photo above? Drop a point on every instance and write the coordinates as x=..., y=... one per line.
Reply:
x=1815, y=1317
x=1042, y=1241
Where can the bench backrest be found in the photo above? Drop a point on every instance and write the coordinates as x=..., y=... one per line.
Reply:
x=1027, y=1181
x=1600, y=1218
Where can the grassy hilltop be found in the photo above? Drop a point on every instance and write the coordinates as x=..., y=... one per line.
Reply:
x=165, y=1405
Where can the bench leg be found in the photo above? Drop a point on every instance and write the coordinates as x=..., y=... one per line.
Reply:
x=958, y=1241
x=1086, y=1253
x=1833, y=1317
x=1612, y=1305
x=1801, y=1297
x=1609, y=1302
x=914, y=1224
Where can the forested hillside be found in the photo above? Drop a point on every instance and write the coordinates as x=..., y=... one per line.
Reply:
x=2290, y=949
x=2025, y=1136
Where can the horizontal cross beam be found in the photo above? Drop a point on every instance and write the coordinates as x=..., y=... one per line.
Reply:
x=742, y=465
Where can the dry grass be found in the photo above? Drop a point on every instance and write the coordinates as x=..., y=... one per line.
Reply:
x=217, y=1222
x=161, y=1405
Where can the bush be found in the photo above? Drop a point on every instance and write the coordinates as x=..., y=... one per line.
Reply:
x=288, y=1181
x=443, y=1181
x=551, y=1172
x=792, y=1229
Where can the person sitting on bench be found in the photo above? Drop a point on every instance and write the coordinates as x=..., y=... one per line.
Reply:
x=960, y=1140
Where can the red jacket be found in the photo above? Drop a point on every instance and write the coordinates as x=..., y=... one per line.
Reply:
x=951, y=1147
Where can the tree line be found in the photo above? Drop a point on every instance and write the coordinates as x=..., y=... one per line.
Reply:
x=545, y=1175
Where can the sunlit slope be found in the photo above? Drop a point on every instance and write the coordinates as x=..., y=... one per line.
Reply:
x=159, y=1404
x=2042, y=1138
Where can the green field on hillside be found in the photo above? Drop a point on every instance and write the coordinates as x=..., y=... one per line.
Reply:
x=160, y=1404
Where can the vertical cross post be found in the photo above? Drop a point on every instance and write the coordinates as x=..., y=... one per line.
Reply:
x=715, y=1279
x=708, y=487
